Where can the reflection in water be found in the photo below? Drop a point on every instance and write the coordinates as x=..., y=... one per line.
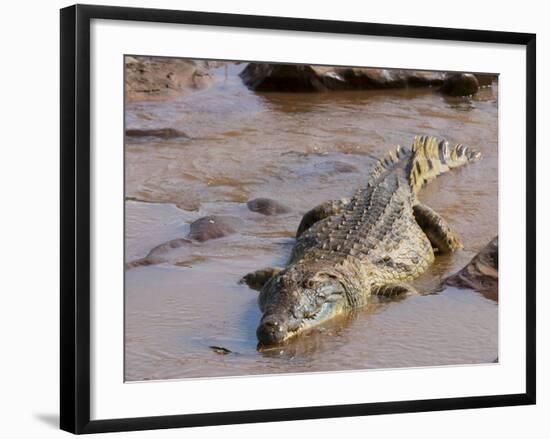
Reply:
x=318, y=339
x=301, y=150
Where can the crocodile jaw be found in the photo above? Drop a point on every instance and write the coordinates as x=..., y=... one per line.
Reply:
x=273, y=330
x=327, y=312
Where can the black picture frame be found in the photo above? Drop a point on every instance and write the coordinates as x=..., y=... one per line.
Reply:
x=75, y=217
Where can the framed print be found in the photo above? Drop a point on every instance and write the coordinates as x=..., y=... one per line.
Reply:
x=340, y=214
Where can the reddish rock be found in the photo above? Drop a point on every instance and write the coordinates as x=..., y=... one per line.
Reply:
x=460, y=84
x=486, y=79
x=267, y=206
x=305, y=78
x=154, y=78
x=212, y=227
x=359, y=78
x=163, y=133
x=282, y=77
x=481, y=273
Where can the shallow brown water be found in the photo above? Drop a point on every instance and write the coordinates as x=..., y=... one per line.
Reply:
x=300, y=149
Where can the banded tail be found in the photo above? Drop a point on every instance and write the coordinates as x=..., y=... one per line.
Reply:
x=432, y=157
x=427, y=158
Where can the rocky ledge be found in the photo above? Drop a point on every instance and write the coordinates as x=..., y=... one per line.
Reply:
x=306, y=78
x=156, y=78
x=161, y=133
x=481, y=273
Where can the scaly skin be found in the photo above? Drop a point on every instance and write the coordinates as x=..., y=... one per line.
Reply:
x=348, y=250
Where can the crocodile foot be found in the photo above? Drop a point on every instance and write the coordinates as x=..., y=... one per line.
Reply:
x=257, y=279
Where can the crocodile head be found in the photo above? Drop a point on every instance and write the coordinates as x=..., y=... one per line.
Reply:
x=294, y=301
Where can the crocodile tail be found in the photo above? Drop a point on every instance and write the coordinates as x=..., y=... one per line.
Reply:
x=432, y=156
x=392, y=158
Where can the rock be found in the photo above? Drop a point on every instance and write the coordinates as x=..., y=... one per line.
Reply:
x=220, y=350
x=153, y=78
x=460, y=84
x=267, y=206
x=157, y=254
x=212, y=227
x=306, y=78
x=281, y=77
x=211, y=64
x=201, y=230
x=336, y=167
x=359, y=78
x=481, y=273
x=166, y=247
x=142, y=262
x=130, y=60
x=486, y=79
x=163, y=133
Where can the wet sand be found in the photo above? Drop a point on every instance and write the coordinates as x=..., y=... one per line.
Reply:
x=300, y=149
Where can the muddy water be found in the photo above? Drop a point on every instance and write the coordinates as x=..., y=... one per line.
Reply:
x=300, y=149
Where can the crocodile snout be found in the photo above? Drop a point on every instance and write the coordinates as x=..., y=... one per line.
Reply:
x=271, y=330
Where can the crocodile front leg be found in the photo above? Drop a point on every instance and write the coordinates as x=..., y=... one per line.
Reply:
x=436, y=229
x=393, y=290
x=257, y=279
x=322, y=211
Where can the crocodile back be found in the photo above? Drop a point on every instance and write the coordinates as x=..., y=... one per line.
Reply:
x=377, y=228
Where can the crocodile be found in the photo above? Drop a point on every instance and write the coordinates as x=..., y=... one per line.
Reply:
x=350, y=250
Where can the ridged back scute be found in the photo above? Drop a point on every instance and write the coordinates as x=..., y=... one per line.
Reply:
x=432, y=156
x=393, y=158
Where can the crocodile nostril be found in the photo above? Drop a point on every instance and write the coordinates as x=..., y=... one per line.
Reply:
x=270, y=331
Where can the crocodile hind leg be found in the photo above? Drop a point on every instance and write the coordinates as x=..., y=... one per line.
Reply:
x=257, y=279
x=322, y=211
x=393, y=290
x=436, y=229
